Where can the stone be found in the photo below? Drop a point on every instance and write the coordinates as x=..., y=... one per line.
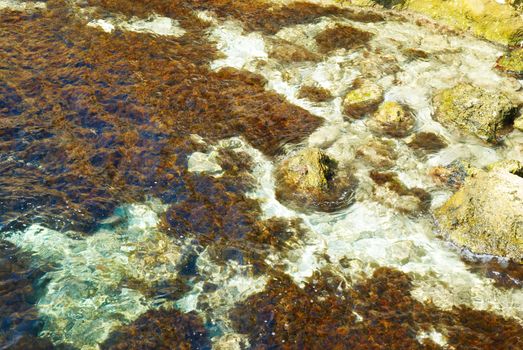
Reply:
x=508, y=165
x=392, y=119
x=380, y=154
x=486, y=215
x=511, y=63
x=518, y=123
x=427, y=141
x=312, y=180
x=474, y=110
x=453, y=174
x=364, y=98
x=391, y=192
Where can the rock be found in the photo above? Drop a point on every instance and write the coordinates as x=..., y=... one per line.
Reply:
x=508, y=165
x=380, y=154
x=392, y=119
x=311, y=179
x=472, y=109
x=342, y=37
x=511, y=63
x=486, y=215
x=364, y=98
x=453, y=174
x=391, y=192
x=314, y=93
x=427, y=141
x=518, y=123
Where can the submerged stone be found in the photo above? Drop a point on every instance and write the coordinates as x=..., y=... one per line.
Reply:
x=312, y=179
x=511, y=63
x=474, y=110
x=363, y=98
x=518, y=123
x=453, y=174
x=314, y=93
x=392, y=119
x=380, y=154
x=427, y=141
x=342, y=37
x=486, y=215
x=391, y=192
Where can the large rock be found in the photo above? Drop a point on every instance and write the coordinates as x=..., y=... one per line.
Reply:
x=486, y=215
x=475, y=110
x=311, y=179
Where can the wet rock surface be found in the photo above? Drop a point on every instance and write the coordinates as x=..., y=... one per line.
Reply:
x=390, y=191
x=485, y=215
x=378, y=153
x=475, y=110
x=392, y=119
x=427, y=141
x=342, y=37
x=363, y=98
x=312, y=179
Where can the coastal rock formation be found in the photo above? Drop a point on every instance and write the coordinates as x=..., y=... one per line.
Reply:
x=311, y=179
x=392, y=119
x=486, y=215
x=363, y=98
x=483, y=113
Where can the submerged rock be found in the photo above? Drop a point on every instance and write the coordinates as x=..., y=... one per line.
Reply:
x=486, y=215
x=391, y=192
x=392, y=119
x=453, y=174
x=363, y=98
x=314, y=93
x=342, y=37
x=312, y=179
x=380, y=154
x=511, y=63
x=427, y=141
x=472, y=109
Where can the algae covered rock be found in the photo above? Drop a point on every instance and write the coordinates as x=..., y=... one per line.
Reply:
x=453, y=174
x=392, y=119
x=508, y=165
x=364, y=98
x=427, y=141
x=472, y=109
x=511, y=63
x=311, y=179
x=486, y=215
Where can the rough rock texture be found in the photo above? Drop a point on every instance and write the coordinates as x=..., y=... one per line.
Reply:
x=363, y=98
x=342, y=37
x=486, y=215
x=392, y=119
x=475, y=110
x=311, y=179
x=511, y=63
x=490, y=19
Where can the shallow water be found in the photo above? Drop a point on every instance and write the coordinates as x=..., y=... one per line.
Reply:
x=139, y=210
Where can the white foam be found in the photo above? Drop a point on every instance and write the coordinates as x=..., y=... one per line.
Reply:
x=22, y=5
x=155, y=24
